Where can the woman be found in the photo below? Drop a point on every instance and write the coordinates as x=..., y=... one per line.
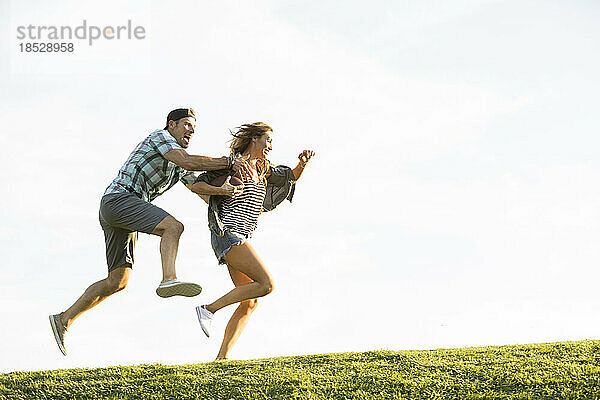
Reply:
x=233, y=213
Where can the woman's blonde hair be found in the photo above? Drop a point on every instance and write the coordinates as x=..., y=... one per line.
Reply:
x=242, y=138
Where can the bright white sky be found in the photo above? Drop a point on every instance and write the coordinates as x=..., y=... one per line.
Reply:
x=454, y=199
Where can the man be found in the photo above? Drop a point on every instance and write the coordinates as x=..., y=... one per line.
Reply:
x=154, y=166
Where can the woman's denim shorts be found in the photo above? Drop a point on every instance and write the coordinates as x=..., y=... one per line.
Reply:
x=222, y=244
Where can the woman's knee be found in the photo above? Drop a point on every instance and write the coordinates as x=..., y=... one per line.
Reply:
x=250, y=305
x=267, y=287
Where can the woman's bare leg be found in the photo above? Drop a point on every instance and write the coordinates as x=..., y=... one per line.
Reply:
x=243, y=258
x=240, y=317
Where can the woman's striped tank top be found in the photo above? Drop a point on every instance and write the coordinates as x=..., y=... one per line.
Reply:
x=240, y=213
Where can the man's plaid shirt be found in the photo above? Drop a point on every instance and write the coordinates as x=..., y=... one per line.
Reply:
x=147, y=173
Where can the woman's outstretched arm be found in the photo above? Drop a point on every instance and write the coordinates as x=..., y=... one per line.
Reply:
x=304, y=158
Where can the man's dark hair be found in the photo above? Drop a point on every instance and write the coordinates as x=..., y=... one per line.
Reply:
x=179, y=113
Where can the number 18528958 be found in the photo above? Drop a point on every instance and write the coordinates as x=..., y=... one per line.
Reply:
x=46, y=47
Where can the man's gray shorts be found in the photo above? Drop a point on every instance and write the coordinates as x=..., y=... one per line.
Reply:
x=122, y=215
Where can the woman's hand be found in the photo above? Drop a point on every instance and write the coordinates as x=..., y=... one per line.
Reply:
x=305, y=156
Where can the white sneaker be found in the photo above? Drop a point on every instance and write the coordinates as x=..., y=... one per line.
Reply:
x=205, y=318
x=177, y=288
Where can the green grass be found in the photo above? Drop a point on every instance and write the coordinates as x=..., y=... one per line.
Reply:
x=569, y=370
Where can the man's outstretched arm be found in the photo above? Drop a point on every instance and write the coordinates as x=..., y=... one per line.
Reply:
x=191, y=162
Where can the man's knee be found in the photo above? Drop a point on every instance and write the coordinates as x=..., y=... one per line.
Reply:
x=117, y=279
x=177, y=227
x=114, y=286
x=169, y=225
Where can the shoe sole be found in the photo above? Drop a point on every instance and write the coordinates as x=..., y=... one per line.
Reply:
x=61, y=347
x=201, y=324
x=181, y=289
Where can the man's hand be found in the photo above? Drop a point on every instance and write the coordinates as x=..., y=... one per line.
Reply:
x=241, y=166
x=227, y=189
x=305, y=156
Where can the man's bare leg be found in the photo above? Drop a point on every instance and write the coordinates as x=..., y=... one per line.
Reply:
x=116, y=281
x=170, y=230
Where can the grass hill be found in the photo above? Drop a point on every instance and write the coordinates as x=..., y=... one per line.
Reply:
x=568, y=370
